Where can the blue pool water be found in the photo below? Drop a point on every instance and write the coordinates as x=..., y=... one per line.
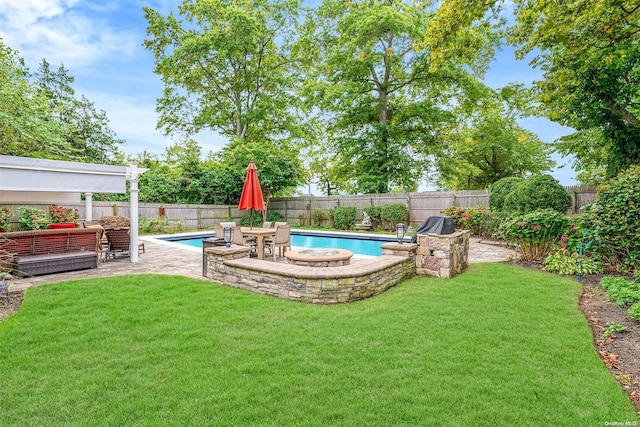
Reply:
x=360, y=246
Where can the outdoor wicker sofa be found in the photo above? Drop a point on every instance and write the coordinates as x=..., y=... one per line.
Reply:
x=37, y=252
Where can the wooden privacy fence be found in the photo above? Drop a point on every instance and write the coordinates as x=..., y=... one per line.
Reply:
x=299, y=210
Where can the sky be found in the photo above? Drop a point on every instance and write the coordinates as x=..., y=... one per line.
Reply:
x=99, y=42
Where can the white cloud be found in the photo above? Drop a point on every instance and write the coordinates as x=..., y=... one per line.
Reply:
x=134, y=120
x=62, y=32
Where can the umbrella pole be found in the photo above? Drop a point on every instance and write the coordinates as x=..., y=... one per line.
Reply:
x=251, y=219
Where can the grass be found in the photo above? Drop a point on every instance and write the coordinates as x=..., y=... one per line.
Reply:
x=498, y=345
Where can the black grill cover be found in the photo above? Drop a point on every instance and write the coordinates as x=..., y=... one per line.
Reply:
x=436, y=225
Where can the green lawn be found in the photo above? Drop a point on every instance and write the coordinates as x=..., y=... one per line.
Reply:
x=498, y=345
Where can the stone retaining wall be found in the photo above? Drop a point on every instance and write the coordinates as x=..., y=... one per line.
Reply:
x=317, y=285
x=435, y=255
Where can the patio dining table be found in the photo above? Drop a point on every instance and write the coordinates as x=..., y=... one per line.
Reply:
x=261, y=233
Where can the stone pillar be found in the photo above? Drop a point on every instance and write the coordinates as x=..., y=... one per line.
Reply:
x=442, y=255
x=399, y=249
x=216, y=257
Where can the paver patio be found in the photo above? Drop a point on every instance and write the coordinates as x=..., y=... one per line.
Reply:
x=174, y=259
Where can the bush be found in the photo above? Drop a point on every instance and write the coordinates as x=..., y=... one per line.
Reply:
x=254, y=218
x=634, y=311
x=565, y=262
x=490, y=223
x=60, y=215
x=615, y=222
x=331, y=214
x=159, y=225
x=375, y=213
x=621, y=291
x=275, y=217
x=499, y=190
x=114, y=221
x=5, y=216
x=392, y=214
x=535, y=233
x=345, y=217
x=537, y=192
x=32, y=218
x=468, y=218
x=318, y=216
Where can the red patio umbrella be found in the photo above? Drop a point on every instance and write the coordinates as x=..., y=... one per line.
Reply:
x=251, y=197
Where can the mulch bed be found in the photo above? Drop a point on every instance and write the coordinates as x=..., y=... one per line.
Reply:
x=619, y=352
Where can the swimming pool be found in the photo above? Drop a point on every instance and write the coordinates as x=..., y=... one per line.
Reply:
x=358, y=244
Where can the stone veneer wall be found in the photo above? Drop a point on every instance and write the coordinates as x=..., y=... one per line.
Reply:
x=317, y=285
x=445, y=255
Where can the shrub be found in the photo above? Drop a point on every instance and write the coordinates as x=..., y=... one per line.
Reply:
x=345, y=217
x=490, y=223
x=5, y=216
x=621, y=291
x=392, y=214
x=251, y=218
x=565, y=262
x=59, y=215
x=114, y=221
x=535, y=233
x=159, y=225
x=375, y=213
x=468, y=218
x=499, y=190
x=32, y=218
x=318, y=216
x=537, y=192
x=615, y=222
x=275, y=217
x=331, y=214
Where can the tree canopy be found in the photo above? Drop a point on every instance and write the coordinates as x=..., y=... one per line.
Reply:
x=589, y=53
x=41, y=117
x=385, y=106
x=226, y=66
x=25, y=128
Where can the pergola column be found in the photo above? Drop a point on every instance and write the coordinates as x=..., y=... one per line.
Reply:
x=88, y=206
x=133, y=172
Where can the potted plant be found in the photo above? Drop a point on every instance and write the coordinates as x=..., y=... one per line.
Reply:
x=5, y=216
x=32, y=218
x=60, y=217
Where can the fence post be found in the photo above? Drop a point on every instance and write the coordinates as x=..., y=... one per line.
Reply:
x=199, y=216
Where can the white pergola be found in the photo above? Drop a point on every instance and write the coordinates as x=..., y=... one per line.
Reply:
x=34, y=179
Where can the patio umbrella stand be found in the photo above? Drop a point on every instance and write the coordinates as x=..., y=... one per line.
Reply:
x=251, y=197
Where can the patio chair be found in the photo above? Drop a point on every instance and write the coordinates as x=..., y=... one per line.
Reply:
x=119, y=241
x=102, y=247
x=239, y=238
x=281, y=240
x=266, y=224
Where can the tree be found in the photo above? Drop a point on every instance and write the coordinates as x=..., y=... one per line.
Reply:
x=25, y=125
x=86, y=130
x=279, y=170
x=590, y=55
x=490, y=147
x=226, y=67
x=387, y=107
